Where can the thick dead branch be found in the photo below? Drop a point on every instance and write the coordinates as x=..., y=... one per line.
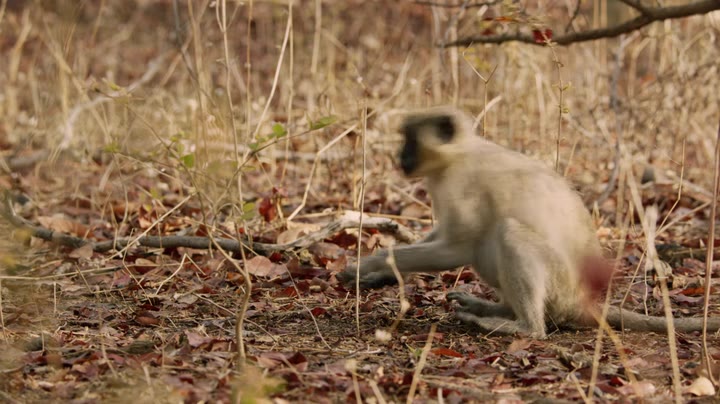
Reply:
x=647, y=16
x=382, y=224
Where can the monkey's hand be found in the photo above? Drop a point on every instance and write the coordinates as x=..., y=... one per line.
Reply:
x=373, y=274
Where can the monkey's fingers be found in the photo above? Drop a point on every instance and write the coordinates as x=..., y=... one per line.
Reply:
x=346, y=277
x=460, y=297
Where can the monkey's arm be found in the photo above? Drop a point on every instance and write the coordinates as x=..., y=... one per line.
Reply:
x=629, y=320
x=433, y=256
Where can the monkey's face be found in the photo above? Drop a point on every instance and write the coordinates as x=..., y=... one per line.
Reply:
x=426, y=141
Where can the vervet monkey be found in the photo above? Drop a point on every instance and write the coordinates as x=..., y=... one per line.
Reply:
x=518, y=223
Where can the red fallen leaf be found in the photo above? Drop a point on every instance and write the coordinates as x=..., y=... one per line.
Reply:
x=447, y=352
x=346, y=240
x=145, y=318
x=235, y=278
x=700, y=291
x=466, y=276
x=296, y=358
x=542, y=36
x=267, y=209
x=287, y=292
x=318, y=311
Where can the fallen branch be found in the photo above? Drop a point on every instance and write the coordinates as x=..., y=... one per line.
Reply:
x=348, y=221
x=647, y=16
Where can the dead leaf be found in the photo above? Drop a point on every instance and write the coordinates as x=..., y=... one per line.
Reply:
x=262, y=267
x=702, y=386
x=518, y=345
x=415, y=210
x=61, y=224
x=84, y=252
x=447, y=352
x=640, y=389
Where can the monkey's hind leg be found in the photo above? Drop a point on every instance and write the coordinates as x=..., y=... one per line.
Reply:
x=521, y=262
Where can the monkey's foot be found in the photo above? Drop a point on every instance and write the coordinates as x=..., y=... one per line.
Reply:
x=479, y=307
x=372, y=280
x=498, y=325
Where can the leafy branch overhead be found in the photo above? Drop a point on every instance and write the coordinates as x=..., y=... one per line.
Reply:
x=647, y=15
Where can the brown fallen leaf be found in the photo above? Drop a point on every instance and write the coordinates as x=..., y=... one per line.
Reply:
x=702, y=386
x=262, y=267
x=84, y=252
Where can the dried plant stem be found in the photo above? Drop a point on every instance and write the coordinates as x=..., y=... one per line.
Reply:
x=314, y=166
x=240, y=314
x=404, y=304
x=709, y=258
x=486, y=105
x=2, y=319
x=604, y=328
x=278, y=68
x=316, y=37
x=360, y=220
x=421, y=364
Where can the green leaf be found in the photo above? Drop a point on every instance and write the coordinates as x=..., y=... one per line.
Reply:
x=249, y=211
x=188, y=160
x=323, y=122
x=112, y=147
x=279, y=130
x=248, y=207
x=113, y=86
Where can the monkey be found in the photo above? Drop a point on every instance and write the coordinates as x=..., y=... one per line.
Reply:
x=520, y=225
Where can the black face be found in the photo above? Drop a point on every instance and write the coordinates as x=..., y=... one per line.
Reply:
x=409, y=155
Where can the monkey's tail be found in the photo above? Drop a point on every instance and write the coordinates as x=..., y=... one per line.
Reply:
x=628, y=320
